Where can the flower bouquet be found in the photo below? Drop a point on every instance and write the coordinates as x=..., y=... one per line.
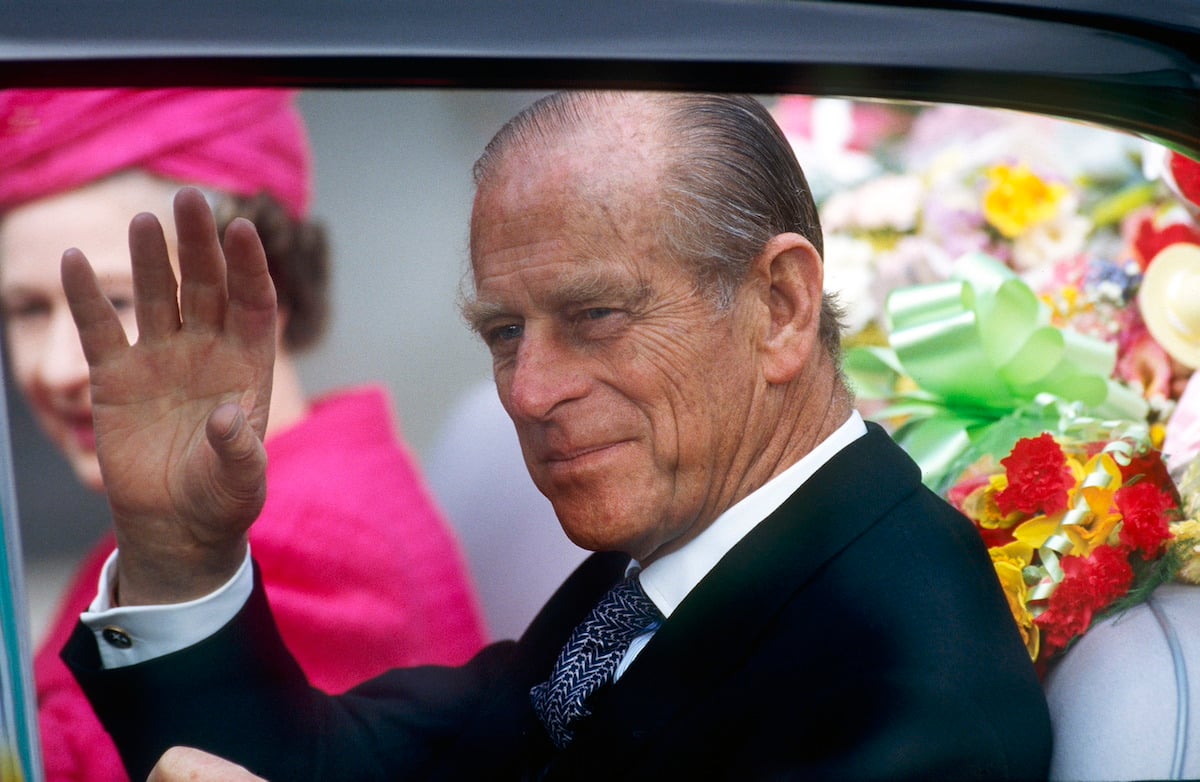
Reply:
x=995, y=269
x=1077, y=528
x=974, y=362
x=1076, y=212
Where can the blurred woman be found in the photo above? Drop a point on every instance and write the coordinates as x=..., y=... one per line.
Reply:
x=362, y=570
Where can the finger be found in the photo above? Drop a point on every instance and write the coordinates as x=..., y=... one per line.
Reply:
x=100, y=330
x=241, y=458
x=251, y=314
x=202, y=293
x=155, y=292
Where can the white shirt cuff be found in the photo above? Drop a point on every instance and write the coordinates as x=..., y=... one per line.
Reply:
x=127, y=635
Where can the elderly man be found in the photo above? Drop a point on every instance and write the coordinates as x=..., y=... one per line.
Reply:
x=776, y=595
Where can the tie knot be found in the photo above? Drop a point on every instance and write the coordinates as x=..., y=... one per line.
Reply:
x=624, y=613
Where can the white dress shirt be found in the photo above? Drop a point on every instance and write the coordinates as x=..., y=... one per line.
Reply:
x=134, y=634
x=667, y=581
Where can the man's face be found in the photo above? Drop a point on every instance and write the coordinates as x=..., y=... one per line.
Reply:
x=628, y=390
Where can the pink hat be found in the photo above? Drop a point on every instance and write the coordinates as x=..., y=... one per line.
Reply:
x=239, y=141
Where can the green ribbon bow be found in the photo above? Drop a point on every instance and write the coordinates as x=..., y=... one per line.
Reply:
x=988, y=367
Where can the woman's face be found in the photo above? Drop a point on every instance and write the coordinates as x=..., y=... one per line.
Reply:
x=44, y=354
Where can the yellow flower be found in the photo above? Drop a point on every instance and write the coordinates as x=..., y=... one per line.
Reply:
x=1017, y=199
x=1018, y=554
x=1158, y=434
x=1188, y=533
x=1038, y=530
x=1099, y=482
x=980, y=505
x=1189, y=489
x=1012, y=579
x=1066, y=305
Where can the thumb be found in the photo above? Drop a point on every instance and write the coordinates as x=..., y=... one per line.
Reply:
x=184, y=763
x=241, y=458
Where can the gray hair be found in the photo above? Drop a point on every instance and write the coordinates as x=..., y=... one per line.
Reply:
x=731, y=182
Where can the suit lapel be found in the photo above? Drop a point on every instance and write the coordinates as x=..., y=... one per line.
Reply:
x=706, y=638
x=570, y=604
x=506, y=740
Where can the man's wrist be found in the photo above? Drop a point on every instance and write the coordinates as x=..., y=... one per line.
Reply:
x=127, y=635
x=171, y=575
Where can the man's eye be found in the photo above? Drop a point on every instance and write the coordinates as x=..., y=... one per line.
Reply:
x=506, y=333
x=597, y=313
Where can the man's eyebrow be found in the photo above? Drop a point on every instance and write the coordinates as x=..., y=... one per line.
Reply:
x=573, y=290
x=598, y=287
x=477, y=313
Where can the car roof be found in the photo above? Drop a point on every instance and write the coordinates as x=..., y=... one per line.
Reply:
x=1110, y=62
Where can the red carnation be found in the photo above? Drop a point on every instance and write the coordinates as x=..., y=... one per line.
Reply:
x=1090, y=584
x=1038, y=478
x=993, y=538
x=1186, y=173
x=1150, y=240
x=1144, y=522
x=1150, y=467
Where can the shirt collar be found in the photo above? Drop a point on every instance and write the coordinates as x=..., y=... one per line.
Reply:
x=668, y=581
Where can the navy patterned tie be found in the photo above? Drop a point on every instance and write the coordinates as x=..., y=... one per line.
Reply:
x=591, y=655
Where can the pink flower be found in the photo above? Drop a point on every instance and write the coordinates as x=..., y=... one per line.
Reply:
x=1182, y=442
x=1142, y=362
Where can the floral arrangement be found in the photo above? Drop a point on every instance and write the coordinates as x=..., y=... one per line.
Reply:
x=1077, y=212
x=975, y=362
x=1076, y=528
x=991, y=264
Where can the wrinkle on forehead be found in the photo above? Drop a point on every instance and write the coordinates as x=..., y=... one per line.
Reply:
x=594, y=148
x=614, y=119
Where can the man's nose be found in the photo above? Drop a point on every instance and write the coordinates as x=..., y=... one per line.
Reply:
x=546, y=375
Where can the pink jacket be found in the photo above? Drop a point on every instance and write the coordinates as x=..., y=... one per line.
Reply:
x=361, y=569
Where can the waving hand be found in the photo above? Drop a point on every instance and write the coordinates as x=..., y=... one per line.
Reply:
x=180, y=414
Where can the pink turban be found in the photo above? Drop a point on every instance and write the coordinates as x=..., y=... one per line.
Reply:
x=239, y=141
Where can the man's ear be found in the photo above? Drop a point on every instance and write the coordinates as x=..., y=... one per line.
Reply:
x=793, y=274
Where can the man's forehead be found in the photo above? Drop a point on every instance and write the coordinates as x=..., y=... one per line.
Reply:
x=569, y=217
x=618, y=143
x=577, y=181
x=567, y=277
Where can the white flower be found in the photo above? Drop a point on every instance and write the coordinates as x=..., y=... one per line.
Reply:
x=829, y=164
x=850, y=274
x=891, y=202
x=1053, y=241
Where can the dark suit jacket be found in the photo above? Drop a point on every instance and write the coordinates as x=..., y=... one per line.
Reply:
x=858, y=632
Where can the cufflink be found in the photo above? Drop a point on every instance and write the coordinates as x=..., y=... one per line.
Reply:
x=117, y=637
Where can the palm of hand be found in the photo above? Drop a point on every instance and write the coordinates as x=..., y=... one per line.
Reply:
x=151, y=404
x=180, y=415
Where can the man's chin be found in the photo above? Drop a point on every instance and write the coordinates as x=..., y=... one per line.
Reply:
x=596, y=532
